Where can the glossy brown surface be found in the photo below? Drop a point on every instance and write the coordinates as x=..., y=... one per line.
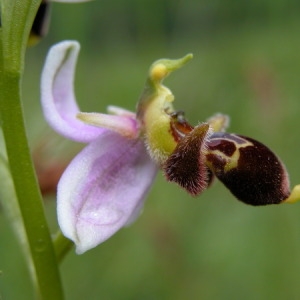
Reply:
x=259, y=177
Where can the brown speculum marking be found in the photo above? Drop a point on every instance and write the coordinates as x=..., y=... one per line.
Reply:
x=226, y=147
x=253, y=173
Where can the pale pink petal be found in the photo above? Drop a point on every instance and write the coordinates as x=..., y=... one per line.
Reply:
x=119, y=111
x=124, y=125
x=103, y=189
x=57, y=94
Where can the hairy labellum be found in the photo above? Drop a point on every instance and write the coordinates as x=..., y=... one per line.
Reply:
x=250, y=170
x=186, y=165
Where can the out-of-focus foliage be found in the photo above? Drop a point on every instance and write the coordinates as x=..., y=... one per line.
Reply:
x=144, y=21
x=246, y=64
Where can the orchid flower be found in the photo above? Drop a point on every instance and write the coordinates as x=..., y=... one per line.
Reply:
x=105, y=186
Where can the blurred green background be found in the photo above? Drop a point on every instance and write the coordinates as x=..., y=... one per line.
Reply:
x=246, y=64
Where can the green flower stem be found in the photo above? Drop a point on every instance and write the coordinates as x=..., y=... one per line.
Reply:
x=62, y=246
x=27, y=190
x=17, y=17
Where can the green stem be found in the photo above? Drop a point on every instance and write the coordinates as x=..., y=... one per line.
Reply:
x=27, y=189
x=62, y=246
x=48, y=284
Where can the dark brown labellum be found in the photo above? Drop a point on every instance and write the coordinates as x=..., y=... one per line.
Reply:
x=250, y=170
x=186, y=165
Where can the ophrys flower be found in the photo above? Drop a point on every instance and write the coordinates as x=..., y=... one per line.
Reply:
x=105, y=185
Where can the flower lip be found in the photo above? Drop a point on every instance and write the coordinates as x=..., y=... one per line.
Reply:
x=186, y=165
x=250, y=170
